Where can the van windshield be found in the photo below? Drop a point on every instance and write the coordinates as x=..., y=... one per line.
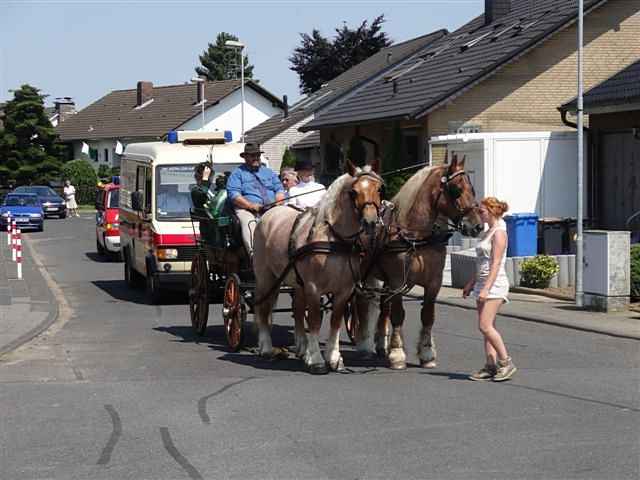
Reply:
x=173, y=192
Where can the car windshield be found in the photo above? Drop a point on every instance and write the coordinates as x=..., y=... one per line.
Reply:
x=21, y=201
x=114, y=199
x=173, y=192
x=41, y=191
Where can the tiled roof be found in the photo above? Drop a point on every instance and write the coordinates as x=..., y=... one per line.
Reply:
x=454, y=63
x=622, y=88
x=334, y=89
x=309, y=141
x=115, y=115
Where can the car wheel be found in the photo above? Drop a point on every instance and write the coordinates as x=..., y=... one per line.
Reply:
x=99, y=248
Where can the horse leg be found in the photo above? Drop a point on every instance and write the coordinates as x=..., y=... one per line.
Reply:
x=264, y=317
x=397, y=357
x=313, y=358
x=299, y=308
x=426, y=346
x=332, y=353
x=382, y=328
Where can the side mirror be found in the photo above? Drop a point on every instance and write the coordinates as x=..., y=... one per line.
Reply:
x=136, y=201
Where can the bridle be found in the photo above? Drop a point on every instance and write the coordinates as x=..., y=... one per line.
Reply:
x=453, y=192
x=354, y=194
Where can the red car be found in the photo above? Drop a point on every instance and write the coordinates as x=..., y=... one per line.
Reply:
x=107, y=220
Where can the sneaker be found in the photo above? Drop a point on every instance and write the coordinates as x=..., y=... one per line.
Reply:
x=506, y=369
x=485, y=373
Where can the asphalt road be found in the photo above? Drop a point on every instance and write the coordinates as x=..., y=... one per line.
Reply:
x=123, y=390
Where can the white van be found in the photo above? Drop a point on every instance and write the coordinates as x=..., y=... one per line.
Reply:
x=156, y=232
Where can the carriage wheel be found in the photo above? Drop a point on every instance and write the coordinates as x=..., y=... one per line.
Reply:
x=199, y=294
x=351, y=321
x=234, y=312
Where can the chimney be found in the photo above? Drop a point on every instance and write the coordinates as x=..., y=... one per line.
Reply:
x=144, y=93
x=64, y=107
x=495, y=9
x=200, y=92
x=286, y=106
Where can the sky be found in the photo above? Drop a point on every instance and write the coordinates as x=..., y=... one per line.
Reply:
x=86, y=48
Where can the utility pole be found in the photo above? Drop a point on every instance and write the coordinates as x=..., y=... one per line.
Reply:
x=580, y=239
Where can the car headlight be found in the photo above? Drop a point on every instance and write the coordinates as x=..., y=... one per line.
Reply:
x=167, y=253
x=35, y=215
x=47, y=204
x=5, y=214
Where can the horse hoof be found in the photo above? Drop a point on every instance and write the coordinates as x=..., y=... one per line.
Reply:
x=337, y=366
x=318, y=369
x=429, y=364
x=398, y=365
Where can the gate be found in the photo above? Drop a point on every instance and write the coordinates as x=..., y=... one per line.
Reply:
x=619, y=178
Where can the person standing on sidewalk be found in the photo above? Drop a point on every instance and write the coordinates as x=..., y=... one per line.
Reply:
x=70, y=198
x=490, y=287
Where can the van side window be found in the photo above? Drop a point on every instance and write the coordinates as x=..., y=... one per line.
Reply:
x=147, y=190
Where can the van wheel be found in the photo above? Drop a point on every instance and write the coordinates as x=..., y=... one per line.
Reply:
x=99, y=248
x=154, y=292
x=132, y=278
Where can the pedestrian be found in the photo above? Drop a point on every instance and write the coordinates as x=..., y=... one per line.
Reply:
x=70, y=198
x=490, y=287
x=307, y=192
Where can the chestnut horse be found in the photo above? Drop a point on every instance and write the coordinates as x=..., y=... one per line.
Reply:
x=318, y=253
x=417, y=230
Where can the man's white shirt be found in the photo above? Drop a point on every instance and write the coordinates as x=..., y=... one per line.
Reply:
x=317, y=191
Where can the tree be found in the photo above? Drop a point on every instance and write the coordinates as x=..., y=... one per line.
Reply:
x=28, y=149
x=104, y=171
x=219, y=62
x=288, y=159
x=318, y=60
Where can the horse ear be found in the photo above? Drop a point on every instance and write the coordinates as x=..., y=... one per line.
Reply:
x=350, y=168
x=453, y=166
x=375, y=165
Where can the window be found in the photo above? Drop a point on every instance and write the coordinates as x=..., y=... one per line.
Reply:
x=114, y=198
x=173, y=196
x=106, y=154
x=93, y=154
x=410, y=150
x=143, y=184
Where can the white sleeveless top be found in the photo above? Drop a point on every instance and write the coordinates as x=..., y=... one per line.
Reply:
x=500, y=287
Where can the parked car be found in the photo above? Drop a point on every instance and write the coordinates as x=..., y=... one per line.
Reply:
x=25, y=208
x=52, y=203
x=107, y=219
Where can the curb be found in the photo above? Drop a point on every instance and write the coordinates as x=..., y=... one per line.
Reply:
x=51, y=318
x=547, y=321
x=541, y=293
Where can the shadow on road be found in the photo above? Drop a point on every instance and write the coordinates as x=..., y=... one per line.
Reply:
x=96, y=257
x=450, y=375
x=119, y=290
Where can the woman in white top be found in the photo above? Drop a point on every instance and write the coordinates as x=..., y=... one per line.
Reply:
x=307, y=192
x=70, y=198
x=490, y=286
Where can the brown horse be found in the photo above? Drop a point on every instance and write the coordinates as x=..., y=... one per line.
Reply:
x=318, y=253
x=414, y=253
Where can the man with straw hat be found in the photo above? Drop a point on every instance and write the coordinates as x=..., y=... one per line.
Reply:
x=250, y=187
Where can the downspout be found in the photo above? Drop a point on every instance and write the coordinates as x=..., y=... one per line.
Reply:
x=592, y=169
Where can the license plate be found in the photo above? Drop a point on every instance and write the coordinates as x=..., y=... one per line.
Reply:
x=51, y=209
x=22, y=220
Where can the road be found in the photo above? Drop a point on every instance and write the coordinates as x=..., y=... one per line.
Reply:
x=123, y=390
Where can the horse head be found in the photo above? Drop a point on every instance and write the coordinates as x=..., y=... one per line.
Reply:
x=366, y=195
x=457, y=198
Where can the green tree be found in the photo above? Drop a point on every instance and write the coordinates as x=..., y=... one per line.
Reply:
x=28, y=149
x=104, y=171
x=219, y=62
x=318, y=60
x=83, y=177
x=288, y=159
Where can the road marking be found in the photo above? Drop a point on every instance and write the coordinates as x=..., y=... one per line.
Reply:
x=105, y=457
x=177, y=456
x=202, y=403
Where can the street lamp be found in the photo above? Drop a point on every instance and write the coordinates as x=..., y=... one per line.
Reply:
x=240, y=46
x=200, y=81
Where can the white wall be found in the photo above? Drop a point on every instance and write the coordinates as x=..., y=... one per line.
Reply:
x=531, y=171
x=274, y=147
x=226, y=115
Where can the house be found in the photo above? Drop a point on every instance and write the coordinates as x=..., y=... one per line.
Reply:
x=281, y=131
x=62, y=109
x=504, y=73
x=148, y=112
x=613, y=109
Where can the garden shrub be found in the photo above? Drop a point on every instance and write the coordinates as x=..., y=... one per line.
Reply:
x=538, y=271
x=83, y=177
x=635, y=272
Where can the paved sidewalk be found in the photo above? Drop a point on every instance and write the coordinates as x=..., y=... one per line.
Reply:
x=27, y=306
x=541, y=309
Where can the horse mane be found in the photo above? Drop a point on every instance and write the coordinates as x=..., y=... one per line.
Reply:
x=406, y=197
x=328, y=206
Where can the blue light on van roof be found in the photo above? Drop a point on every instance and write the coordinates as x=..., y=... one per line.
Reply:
x=228, y=136
x=172, y=136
